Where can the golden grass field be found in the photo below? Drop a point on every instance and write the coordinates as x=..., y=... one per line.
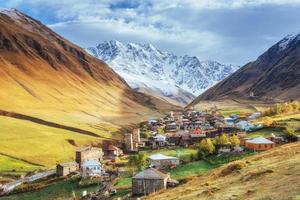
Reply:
x=47, y=78
x=273, y=174
x=232, y=106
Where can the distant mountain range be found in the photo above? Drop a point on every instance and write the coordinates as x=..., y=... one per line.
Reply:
x=275, y=75
x=150, y=70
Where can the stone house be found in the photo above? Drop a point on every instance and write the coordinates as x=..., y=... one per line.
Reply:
x=112, y=151
x=149, y=181
x=88, y=153
x=64, y=169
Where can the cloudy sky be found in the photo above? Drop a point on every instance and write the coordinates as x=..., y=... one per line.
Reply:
x=229, y=31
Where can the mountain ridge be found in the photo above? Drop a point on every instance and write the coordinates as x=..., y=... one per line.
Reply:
x=145, y=67
x=274, y=76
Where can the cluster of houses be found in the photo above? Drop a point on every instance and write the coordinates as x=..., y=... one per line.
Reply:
x=179, y=129
x=189, y=128
x=88, y=161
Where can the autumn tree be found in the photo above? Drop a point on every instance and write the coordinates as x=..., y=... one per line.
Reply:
x=142, y=160
x=206, y=147
x=223, y=140
x=267, y=121
x=295, y=105
x=133, y=163
x=160, y=130
x=138, y=161
x=290, y=134
x=235, y=141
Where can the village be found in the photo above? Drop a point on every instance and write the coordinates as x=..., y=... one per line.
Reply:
x=142, y=162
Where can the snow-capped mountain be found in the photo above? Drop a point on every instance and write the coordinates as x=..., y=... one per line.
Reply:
x=149, y=70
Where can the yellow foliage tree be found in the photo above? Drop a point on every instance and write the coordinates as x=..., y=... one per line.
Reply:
x=223, y=140
x=206, y=146
x=235, y=141
x=267, y=121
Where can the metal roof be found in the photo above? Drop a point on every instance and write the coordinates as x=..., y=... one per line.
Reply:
x=161, y=157
x=260, y=140
x=150, y=173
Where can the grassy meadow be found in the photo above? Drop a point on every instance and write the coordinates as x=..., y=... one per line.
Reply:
x=66, y=189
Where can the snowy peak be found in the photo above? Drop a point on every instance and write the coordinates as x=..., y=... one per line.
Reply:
x=287, y=41
x=145, y=66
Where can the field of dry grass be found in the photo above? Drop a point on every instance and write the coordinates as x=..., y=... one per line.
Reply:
x=232, y=106
x=274, y=174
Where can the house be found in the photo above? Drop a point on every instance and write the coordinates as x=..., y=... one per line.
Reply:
x=259, y=144
x=254, y=115
x=112, y=151
x=197, y=135
x=64, y=169
x=91, y=168
x=159, y=140
x=149, y=181
x=244, y=125
x=88, y=153
x=162, y=161
x=171, y=127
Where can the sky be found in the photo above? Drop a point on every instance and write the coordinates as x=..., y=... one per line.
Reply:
x=228, y=31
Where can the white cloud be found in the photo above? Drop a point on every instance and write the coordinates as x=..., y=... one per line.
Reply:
x=210, y=29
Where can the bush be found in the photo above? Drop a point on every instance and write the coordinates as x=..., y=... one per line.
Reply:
x=232, y=167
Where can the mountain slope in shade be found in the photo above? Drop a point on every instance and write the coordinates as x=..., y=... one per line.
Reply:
x=45, y=76
x=274, y=75
x=153, y=71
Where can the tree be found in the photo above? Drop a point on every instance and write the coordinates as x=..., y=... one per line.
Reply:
x=290, y=134
x=145, y=134
x=142, y=160
x=235, y=141
x=267, y=121
x=138, y=161
x=206, y=147
x=223, y=140
x=296, y=106
x=133, y=162
x=278, y=108
x=160, y=130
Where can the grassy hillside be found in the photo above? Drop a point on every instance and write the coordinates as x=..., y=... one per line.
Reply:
x=55, y=97
x=230, y=106
x=273, y=174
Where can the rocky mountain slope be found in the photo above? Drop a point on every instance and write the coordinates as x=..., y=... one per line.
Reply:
x=267, y=175
x=57, y=93
x=274, y=75
x=153, y=71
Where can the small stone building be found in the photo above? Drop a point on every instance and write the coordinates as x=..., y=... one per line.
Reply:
x=112, y=151
x=88, y=153
x=259, y=144
x=149, y=181
x=64, y=169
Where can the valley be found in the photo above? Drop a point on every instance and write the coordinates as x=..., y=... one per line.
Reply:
x=127, y=120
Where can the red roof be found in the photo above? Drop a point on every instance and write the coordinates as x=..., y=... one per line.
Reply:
x=198, y=131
